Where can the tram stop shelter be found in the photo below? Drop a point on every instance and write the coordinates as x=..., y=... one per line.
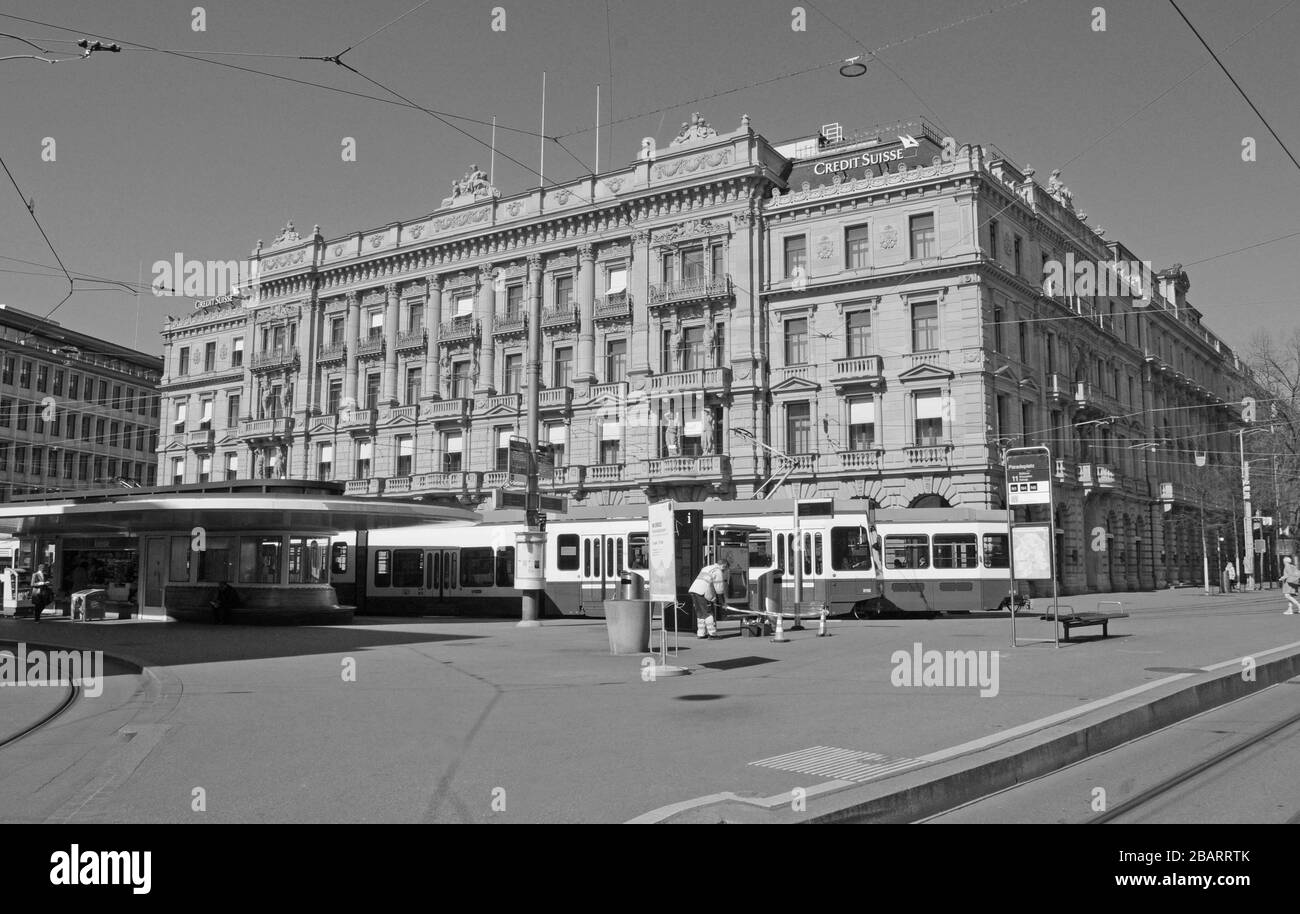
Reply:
x=164, y=550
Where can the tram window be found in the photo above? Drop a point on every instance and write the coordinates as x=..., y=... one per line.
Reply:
x=259, y=560
x=383, y=568
x=807, y=553
x=506, y=567
x=780, y=552
x=817, y=553
x=907, y=551
x=610, y=567
x=619, y=550
x=595, y=559
x=760, y=549
x=638, y=551
x=995, y=551
x=339, y=558
x=310, y=564
x=566, y=556
x=214, y=562
x=476, y=567
x=850, y=549
x=955, y=550
x=586, y=558
x=180, y=560
x=408, y=567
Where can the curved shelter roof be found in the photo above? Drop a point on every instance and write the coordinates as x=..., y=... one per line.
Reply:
x=226, y=507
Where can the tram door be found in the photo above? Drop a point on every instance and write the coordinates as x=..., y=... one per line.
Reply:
x=602, y=560
x=440, y=573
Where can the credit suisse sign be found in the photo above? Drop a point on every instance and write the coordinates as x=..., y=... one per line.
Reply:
x=859, y=164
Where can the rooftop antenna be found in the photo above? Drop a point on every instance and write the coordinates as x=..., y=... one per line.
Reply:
x=541, y=168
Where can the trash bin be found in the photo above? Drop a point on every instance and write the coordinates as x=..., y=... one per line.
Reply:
x=630, y=586
x=627, y=622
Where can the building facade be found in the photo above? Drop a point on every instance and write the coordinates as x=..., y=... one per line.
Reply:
x=76, y=412
x=874, y=317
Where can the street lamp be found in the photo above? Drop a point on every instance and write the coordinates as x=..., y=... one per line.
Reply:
x=1248, y=531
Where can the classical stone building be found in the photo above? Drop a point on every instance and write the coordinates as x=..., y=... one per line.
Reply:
x=874, y=316
x=76, y=412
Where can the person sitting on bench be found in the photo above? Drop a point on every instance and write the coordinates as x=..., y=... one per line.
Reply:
x=223, y=602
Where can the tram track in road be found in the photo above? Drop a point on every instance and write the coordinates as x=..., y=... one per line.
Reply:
x=70, y=698
x=1166, y=786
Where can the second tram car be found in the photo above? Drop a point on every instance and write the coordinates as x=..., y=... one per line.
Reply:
x=910, y=561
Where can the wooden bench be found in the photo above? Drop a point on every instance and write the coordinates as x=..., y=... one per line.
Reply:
x=1083, y=620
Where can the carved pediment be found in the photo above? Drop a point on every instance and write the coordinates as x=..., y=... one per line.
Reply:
x=796, y=385
x=926, y=372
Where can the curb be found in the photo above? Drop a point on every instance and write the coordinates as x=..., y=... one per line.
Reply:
x=1055, y=748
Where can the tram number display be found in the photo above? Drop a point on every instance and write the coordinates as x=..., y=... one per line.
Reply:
x=1029, y=478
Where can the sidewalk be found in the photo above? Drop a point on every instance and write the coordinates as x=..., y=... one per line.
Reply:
x=445, y=715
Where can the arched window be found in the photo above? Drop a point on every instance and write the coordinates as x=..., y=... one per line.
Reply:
x=929, y=501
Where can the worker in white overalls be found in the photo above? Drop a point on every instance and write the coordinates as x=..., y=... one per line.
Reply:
x=709, y=590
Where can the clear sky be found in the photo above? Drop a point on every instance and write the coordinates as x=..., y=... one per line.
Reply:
x=157, y=154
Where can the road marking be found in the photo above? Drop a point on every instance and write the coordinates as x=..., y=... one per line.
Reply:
x=666, y=812
x=840, y=764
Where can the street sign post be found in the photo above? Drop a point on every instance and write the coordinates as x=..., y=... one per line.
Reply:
x=1029, y=477
x=1032, y=546
x=521, y=461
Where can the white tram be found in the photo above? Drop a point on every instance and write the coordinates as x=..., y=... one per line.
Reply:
x=916, y=561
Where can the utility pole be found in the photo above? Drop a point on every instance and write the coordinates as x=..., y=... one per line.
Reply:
x=532, y=598
x=1248, y=533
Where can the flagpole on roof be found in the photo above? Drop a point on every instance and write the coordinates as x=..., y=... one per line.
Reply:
x=492, y=162
x=541, y=168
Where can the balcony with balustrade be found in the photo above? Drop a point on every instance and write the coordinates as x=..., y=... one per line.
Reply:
x=200, y=439
x=568, y=477
x=613, y=307
x=555, y=399
x=461, y=327
x=277, y=429
x=505, y=403
x=794, y=372
x=715, y=468
x=373, y=485
x=332, y=353
x=408, y=413
x=275, y=359
x=556, y=318
x=928, y=455
x=615, y=391
x=412, y=340
x=446, y=483
x=1098, y=476
x=456, y=409
x=868, y=371
x=861, y=461
x=709, y=380
x=397, y=485
x=359, y=421
x=797, y=464
x=607, y=474
x=1092, y=400
x=511, y=323
x=1061, y=389
x=690, y=291
x=372, y=347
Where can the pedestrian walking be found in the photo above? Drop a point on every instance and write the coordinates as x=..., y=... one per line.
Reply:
x=42, y=592
x=1290, y=586
x=1230, y=575
x=707, y=592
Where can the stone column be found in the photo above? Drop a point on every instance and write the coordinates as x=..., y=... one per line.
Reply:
x=638, y=285
x=586, y=314
x=388, y=392
x=433, y=326
x=485, y=312
x=352, y=336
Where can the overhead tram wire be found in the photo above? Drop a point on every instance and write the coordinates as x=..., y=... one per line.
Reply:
x=197, y=56
x=1259, y=114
